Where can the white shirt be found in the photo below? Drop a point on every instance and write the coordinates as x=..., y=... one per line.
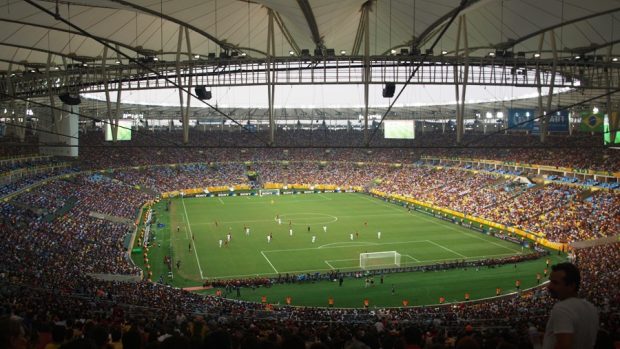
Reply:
x=576, y=316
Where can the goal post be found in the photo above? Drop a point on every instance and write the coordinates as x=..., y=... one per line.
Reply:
x=263, y=192
x=374, y=260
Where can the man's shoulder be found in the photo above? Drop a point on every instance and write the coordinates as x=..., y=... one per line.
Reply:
x=573, y=305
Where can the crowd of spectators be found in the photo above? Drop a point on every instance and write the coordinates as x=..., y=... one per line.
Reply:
x=530, y=204
x=18, y=163
x=342, y=174
x=152, y=315
x=593, y=217
x=69, y=240
x=162, y=147
x=476, y=192
x=166, y=178
x=483, y=194
x=52, y=244
x=29, y=180
x=51, y=198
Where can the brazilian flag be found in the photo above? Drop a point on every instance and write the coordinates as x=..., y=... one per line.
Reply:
x=591, y=122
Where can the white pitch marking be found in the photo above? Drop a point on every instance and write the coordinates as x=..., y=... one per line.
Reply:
x=447, y=249
x=348, y=244
x=192, y=241
x=412, y=257
x=331, y=266
x=466, y=233
x=268, y=261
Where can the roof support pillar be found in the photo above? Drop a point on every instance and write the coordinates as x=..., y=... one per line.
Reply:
x=361, y=30
x=271, y=50
x=544, y=120
x=538, y=77
x=16, y=129
x=544, y=125
x=184, y=121
x=366, y=74
x=108, y=102
x=612, y=115
x=460, y=97
x=465, y=77
x=189, y=87
x=119, y=88
x=50, y=84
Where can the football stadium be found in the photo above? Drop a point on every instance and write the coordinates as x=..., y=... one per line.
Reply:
x=310, y=174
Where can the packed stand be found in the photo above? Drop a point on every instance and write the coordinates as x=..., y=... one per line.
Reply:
x=163, y=147
x=523, y=211
x=156, y=316
x=595, y=217
x=164, y=178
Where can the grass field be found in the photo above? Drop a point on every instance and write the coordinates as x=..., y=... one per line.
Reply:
x=419, y=238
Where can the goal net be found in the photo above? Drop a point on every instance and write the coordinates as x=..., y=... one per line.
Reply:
x=373, y=260
x=263, y=192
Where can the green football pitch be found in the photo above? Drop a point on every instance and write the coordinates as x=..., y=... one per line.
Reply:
x=342, y=226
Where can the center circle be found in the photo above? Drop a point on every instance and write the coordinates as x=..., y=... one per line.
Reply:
x=308, y=218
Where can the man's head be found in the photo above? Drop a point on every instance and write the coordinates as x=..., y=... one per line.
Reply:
x=564, y=281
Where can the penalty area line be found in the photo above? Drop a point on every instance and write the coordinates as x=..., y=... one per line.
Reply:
x=412, y=257
x=331, y=266
x=447, y=249
x=268, y=261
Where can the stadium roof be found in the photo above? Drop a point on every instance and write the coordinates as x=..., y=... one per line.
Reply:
x=33, y=35
x=29, y=33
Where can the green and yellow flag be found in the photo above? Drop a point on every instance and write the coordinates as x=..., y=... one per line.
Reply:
x=591, y=122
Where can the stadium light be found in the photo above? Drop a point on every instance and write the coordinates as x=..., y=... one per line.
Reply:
x=392, y=51
x=615, y=59
x=118, y=62
x=489, y=115
x=595, y=110
x=491, y=54
x=196, y=56
x=444, y=52
x=536, y=55
x=343, y=52
x=577, y=57
x=291, y=53
x=156, y=59
x=500, y=115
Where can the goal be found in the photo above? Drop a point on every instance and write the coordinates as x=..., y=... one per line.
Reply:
x=263, y=192
x=383, y=259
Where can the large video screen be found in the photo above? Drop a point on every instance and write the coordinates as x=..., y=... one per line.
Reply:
x=124, y=131
x=399, y=129
x=607, y=132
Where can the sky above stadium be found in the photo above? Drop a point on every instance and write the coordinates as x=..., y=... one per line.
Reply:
x=328, y=96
